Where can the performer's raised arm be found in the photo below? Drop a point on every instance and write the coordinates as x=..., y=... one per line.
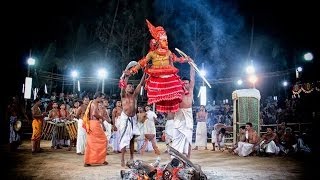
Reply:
x=142, y=82
x=192, y=79
x=123, y=84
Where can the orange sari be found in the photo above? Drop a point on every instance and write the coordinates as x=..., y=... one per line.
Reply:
x=96, y=147
x=36, y=129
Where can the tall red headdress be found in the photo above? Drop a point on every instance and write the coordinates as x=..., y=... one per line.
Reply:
x=156, y=32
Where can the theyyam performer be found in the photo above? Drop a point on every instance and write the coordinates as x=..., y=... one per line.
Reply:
x=164, y=87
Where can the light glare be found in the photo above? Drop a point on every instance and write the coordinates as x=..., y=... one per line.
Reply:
x=31, y=61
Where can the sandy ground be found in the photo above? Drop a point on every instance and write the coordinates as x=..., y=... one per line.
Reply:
x=62, y=164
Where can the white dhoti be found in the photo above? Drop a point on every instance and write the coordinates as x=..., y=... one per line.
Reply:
x=140, y=139
x=169, y=130
x=149, y=127
x=81, y=137
x=128, y=128
x=201, y=134
x=271, y=147
x=116, y=135
x=182, y=132
x=108, y=130
x=244, y=148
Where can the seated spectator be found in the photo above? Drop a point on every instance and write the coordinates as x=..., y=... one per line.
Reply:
x=268, y=143
x=250, y=144
x=302, y=144
x=241, y=137
x=287, y=141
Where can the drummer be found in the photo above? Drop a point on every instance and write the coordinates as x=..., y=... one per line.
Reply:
x=64, y=116
x=73, y=117
x=54, y=115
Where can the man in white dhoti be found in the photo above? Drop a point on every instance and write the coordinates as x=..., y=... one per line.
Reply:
x=201, y=132
x=128, y=121
x=183, y=119
x=116, y=112
x=142, y=117
x=250, y=144
x=150, y=131
x=81, y=132
x=217, y=136
x=106, y=121
x=169, y=127
x=269, y=141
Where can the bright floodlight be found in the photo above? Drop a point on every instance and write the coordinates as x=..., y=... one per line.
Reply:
x=250, y=69
x=74, y=74
x=31, y=61
x=239, y=82
x=285, y=83
x=253, y=79
x=299, y=69
x=102, y=73
x=203, y=72
x=308, y=56
x=203, y=95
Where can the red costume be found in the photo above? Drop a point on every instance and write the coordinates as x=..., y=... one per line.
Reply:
x=164, y=87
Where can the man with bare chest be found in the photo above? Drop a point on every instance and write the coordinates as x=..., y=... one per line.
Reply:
x=183, y=119
x=128, y=121
x=81, y=133
x=116, y=112
x=96, y=151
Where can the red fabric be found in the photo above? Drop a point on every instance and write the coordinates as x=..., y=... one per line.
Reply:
x=165, y=92
x=155, y=32
x=122, y=83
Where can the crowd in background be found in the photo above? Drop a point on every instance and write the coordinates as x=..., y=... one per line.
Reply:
x=272, y=112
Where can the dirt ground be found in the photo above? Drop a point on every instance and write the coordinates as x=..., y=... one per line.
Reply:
x=62, y=164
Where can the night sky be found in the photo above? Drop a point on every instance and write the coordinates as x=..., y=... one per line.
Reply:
x=292, y=25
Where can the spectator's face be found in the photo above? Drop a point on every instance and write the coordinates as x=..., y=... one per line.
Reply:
x=76, y=104
x=140, y=109
x=62, y=106
x=86, y=101
x=100, y=105
x=105, y=103
x=118, y=104
x=269, y=131
x=55, y=105
x=147, y=108
x=248, y=127
x=242, y=130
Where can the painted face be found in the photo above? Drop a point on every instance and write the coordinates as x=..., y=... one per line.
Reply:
x=163, y=41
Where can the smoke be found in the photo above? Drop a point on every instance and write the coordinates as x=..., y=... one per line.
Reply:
x=209, y=31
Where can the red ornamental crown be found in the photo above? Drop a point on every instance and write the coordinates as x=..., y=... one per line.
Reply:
x=156, y=32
